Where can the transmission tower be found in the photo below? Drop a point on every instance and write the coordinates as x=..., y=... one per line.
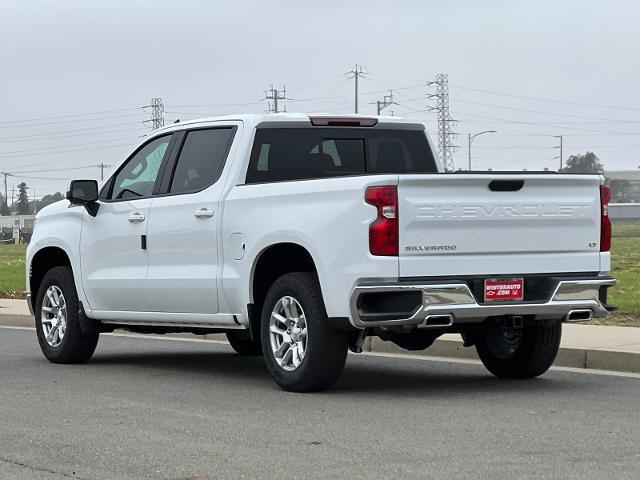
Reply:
x=157, y=113
x=445, y=122
x=275, y=95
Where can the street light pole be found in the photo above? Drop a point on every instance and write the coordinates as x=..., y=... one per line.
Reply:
x=472, y=137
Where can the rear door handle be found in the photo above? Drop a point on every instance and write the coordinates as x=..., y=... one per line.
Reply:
x=203, y=213
x=136, y=217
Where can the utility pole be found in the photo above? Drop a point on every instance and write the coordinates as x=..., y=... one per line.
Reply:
x=275, y=95
x=157, y=113
x=6, y=198
x=387, y=101
x=357, y=73
x=102, y=166
x=13, y=190
x=560, y=147
x=445, y=122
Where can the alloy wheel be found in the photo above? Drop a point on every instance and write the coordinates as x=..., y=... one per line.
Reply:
x=54, y=316
x=288, y=333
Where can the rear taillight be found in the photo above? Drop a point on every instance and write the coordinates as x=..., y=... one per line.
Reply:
x=383, y=232
x=605, y=221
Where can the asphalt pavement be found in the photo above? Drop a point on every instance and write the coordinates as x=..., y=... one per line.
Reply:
x=179, y=409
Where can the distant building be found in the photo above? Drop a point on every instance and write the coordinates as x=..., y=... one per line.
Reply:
x=631, y=193
x=10, y=224
x=23, y=221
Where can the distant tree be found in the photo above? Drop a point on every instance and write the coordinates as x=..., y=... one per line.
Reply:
x=22, y=205
x=48, y=200
x=587, y=163
x=619, y=189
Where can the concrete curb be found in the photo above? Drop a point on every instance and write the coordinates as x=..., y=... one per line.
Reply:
x=567, y=356
x=598, y=359
x=14, y=320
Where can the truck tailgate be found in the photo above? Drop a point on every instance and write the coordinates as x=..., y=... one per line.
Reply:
x=488, y=224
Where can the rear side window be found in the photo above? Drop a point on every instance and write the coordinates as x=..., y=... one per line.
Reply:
x=281, y=154
x=201, y=159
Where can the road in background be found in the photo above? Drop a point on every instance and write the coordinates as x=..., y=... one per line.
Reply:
x=147, y=408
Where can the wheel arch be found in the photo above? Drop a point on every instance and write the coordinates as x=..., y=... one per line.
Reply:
x=42, y=261
x=271, y=263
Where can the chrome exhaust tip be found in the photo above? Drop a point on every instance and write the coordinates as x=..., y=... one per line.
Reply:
x=434, y=321
x=582, y=315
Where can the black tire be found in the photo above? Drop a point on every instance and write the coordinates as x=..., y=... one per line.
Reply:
x=76, y=346
x=532, y=356
x=243, y=345
x=326, y=348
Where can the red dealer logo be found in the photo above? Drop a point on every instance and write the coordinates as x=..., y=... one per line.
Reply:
x=503, y=289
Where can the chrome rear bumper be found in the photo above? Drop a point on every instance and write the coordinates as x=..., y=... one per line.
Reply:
x=444, y=304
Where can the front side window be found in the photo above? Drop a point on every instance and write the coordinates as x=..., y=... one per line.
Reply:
x=138, y=176
x=201, y=159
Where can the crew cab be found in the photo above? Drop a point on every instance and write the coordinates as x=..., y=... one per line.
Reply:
x=298, y=236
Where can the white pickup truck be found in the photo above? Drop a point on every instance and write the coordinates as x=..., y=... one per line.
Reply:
x=298, y=236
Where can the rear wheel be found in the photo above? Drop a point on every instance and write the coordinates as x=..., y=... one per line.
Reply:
x=523, y=352
x=57, y=318
x=302, y=351
x=243, y=345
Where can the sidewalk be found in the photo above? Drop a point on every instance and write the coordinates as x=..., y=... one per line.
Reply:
x=583, y=346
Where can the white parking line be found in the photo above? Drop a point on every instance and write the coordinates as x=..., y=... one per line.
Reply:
x=371, y=354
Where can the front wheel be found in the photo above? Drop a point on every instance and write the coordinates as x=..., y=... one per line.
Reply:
x=524, y=352
x=302, y=351
x=60, y=334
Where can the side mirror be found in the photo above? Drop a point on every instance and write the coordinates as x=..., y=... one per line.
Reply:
x=85, y=193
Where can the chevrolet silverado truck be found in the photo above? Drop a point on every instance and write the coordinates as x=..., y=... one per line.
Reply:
x=298, y=236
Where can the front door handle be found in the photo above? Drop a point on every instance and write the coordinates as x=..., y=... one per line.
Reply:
x=203, y=213
x=136, y=217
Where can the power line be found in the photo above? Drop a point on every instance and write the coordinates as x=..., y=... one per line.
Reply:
x=322, y=95
x=542, y=99
x=58, y=122
x=47, y=149
x=39, y=170
x=70, y=115
x=215, y=105
x=92, y=132
x=55, y=152
x=535, y=123
x=526, y=97
x=505, y=107
x=315, y=84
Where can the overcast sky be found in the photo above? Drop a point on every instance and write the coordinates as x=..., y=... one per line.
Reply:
x=528, y=69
